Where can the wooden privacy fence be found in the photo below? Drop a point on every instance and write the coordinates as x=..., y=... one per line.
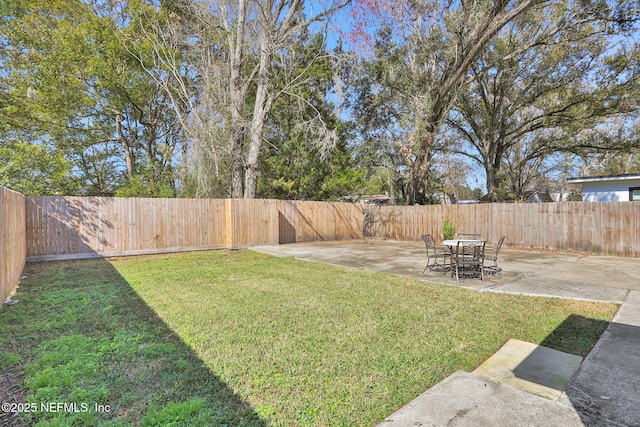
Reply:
x=611, y=228
x=12, y=240
x=75, y=227
x=80, y=227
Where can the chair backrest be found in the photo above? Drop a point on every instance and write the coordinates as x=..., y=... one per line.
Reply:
x=469, y=236
x=430, y=243
x=470, y=250
x=493, y=250
x=428, y=240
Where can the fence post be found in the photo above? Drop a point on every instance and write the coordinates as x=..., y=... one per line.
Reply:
x=228, y=223
x=13, y=240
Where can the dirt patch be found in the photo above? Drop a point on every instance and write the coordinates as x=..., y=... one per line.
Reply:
x=11, y=391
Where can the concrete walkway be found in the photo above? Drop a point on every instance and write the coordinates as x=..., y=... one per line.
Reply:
x=605, y=390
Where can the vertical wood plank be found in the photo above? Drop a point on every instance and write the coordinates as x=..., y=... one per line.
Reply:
x=13, y=239
x=72, y=225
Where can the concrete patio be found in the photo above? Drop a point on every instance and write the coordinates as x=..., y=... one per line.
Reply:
x=564, y=275
x=603, y=391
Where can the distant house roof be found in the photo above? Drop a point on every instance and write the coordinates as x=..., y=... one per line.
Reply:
x=537, y=196
x=600, y=178
x=529, y=196
x=378, y=199
x=443, y=198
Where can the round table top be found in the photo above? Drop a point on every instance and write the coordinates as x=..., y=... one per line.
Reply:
x=454, y=242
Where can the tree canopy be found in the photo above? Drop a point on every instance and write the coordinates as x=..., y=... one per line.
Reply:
x=254, y=98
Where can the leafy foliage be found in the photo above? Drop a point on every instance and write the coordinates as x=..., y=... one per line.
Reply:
x=176, y=98
x=516, y=82
x=448, y=229
x=35, y=169
x=543, y=80
x=71, y=82
x=301, y=161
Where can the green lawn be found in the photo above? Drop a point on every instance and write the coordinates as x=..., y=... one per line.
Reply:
x=243, y=339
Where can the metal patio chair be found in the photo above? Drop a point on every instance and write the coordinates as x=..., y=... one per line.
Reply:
x=491, y=255
x=468, y=260
x=440, y=255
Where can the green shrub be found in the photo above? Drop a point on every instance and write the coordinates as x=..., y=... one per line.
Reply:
x=448, y=229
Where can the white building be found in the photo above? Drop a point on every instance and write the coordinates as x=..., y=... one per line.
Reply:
x=614, y=188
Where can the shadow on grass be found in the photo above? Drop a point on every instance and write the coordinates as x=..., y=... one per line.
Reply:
x=556, y=360
x=602, y=389
x=81, y=335
x=576, y=335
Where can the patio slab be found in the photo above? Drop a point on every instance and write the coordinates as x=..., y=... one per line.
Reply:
x=535, y=369
x=605, y=390
x=562, y=275
x=466, y=400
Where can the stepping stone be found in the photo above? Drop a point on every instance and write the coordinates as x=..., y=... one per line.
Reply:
x=466, y=400
x=532, y=368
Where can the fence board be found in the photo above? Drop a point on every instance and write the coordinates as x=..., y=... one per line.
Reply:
x=304, y=221
x=90, y=226
x=59, y=227
x=13, y=240
x=611, y=228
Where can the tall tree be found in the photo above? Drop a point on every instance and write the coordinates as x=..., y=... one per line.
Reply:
x=240, y=42
x=541, y=76
x=73, y=85
x=382, y=114
x=300, y=159
x=437, y=43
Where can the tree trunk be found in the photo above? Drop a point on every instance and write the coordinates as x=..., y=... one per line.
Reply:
x=261, y=110
x=184, y=166
x=493, y=166
x=492, y=184
x=237, y=163
x=418, y=180
x=420, y=161
x=126, y=146
x=237, y=92
x=390, y=183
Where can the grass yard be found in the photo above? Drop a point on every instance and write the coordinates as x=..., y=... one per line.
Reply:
x=240, y=338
